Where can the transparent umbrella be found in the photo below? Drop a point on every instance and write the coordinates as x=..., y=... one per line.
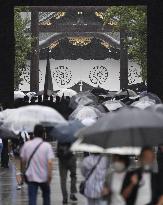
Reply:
x=83, y=112
x=25, y=118
x=66, y=92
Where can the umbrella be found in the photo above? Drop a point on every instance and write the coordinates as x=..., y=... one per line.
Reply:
x=25, y=118
x=99, y=91
x=83, y=100
x=158, y=108
x=143, y=103
x=83, y=112
x=152, y=96
x=65, y=133
x=125, y=128
x=5, y=133
x=126, y=93
x=79, y=146
x=112, y=105
x=18, y=94
x=66, y=92
x=88, y=121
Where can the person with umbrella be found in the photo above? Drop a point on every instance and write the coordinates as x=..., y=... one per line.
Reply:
x=141, y=186
x=67, y=162
x=114, y=179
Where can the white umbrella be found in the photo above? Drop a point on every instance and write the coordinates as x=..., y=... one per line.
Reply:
x=77, y=146
x=66, y=92
x=83, y=112
x=143, y=103
x=113, y=105
x=18, y=94
x=25, y=118
x=88, y=121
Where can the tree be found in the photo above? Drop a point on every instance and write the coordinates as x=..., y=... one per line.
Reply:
x=22, y=46
x=134, y=20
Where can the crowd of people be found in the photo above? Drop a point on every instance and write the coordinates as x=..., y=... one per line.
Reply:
x=108, y=179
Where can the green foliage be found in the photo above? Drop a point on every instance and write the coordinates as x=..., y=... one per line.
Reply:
x=22, y=46
x=134, y=20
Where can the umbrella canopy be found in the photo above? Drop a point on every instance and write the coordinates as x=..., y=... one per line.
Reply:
x=65, y=133
x=112, y=105
x=66, y=92
x=126, y=93
x=152, y=96
x=125, y=128
x=84, y=98
x=5, y=133
x=143, y=103
x=158, y=108
x=18, y=94
x=79, y=146
x=83, y=112
x=25, y=118
x=99, y=91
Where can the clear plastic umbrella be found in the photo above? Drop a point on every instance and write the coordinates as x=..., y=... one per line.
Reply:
x=83, y=112
x=112, y=105
x=66, y=92
x=83, y=98
x=25, y=118
x=143, y=103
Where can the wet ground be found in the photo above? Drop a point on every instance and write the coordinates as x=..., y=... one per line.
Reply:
x=10, y=196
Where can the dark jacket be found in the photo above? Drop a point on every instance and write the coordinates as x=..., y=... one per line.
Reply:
x=155, y=187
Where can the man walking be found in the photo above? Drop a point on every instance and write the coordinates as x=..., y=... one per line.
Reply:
x=37, y=156
x=67, y=162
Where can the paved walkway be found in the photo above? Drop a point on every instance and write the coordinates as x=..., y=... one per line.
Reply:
x=10, y=196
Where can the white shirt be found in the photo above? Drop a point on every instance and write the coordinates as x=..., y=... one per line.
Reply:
x=0, y=141
x=144, y=195
x=116, y=186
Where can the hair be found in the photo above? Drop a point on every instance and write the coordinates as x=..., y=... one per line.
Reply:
x=39, y=131
x=144, y=149
x=123, y=158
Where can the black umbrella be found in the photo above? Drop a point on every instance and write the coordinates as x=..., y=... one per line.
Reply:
x=65, y=133
x=4, y=133
x=99, y=91
x=125, y=128
x=125, y=93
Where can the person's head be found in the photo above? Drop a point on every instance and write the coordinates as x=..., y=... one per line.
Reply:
x=39, y=98
x=39, y=131
x=147, y=158
x=51, y=98
x=67, y=99
x=120, y=162
x=58, y=99
x=33, y=99
x=46, y=97
x=26, y=98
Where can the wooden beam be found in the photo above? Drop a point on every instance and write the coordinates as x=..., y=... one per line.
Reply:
x=60, y=28
x=66, y=8
x=60, y=36
x=34, y=69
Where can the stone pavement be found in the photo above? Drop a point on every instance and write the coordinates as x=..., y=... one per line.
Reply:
x=10, y=196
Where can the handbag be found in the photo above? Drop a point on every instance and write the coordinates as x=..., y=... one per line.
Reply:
x=29, y=161
x=83, y=183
